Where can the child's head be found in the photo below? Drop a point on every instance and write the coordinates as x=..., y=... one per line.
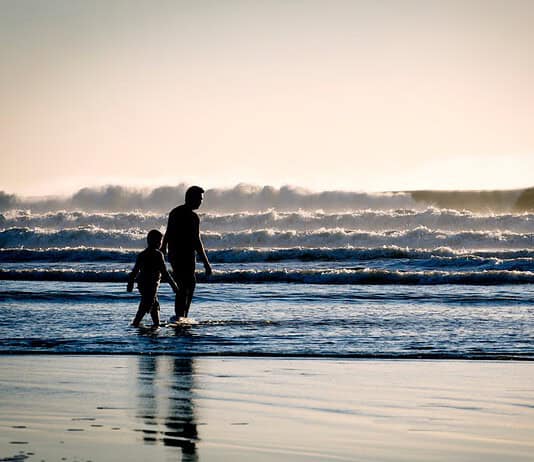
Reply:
x=154, y=239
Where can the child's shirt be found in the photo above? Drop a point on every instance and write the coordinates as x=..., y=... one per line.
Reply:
x=149, y=267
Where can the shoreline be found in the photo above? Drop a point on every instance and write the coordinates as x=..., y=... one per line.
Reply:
x=146, y=407
x=490, y=358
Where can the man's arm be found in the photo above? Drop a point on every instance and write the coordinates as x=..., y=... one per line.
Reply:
x=164, y=244
x=199, y=247
x=204, y=257
x=165, y=238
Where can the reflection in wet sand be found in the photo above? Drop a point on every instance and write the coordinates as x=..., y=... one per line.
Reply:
x=165, y=403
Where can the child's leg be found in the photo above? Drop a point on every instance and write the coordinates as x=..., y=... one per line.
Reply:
x=145, y=305
x=155, y=318
x=154, y=313
x=141, y=311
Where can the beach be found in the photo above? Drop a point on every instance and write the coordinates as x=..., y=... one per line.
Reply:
x=101, y=408
x=372, y=334
x=267, y=231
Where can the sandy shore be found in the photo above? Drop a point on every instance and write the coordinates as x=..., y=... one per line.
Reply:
x=213, y=409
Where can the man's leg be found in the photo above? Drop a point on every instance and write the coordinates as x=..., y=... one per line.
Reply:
x=178, y=296
x=185, y=278
x=180, y=301
x=190, y=289
x=188, y=300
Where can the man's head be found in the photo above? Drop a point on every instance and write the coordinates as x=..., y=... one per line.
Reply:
x=154, y=238
x=194, y=196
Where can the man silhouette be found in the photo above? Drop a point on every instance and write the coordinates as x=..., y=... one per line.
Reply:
x=183, y=239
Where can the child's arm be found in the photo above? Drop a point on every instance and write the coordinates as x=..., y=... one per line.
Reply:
x=165, y=274
x=132, y=275
x=172, y=282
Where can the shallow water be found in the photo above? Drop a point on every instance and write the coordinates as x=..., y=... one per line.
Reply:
x=365, y=283
x=391, y=321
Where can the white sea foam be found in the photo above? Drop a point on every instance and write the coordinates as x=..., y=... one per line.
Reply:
x=368, y=220
x=446, y=258
x=71, y=237
x=244, y=197
x=419, y=237
x=310, y=276
x=239, y=198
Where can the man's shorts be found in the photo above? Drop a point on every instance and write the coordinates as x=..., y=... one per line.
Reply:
x=184, y=277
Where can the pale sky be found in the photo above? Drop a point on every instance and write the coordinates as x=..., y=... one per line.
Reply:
x=358, y=95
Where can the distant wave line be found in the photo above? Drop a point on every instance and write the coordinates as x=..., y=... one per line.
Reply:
x=251, y=197
x=419, y=237
x=60, y=295
x=442, y=255
x=340, y=276
x=368, y=220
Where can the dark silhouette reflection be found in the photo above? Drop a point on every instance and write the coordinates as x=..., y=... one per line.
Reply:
x=148, y=408
x=166, y=406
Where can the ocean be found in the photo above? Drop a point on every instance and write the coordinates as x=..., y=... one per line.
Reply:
x=383, y=279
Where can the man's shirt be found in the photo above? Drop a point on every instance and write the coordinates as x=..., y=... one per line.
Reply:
x=183, y=234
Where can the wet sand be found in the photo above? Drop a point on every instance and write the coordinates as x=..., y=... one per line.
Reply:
x=136, y=408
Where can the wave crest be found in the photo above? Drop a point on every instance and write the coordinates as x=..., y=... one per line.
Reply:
x=369, y=220
x=244, y=197
x=340, y=276
x=419, y=237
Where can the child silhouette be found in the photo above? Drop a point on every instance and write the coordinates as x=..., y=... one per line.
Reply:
x=148, y=270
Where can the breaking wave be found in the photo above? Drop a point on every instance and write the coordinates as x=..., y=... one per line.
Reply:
x=441, y=256
x=310, y=276
x=369, y=220
x=239, y=198
x=71, y=237
x=252, y=198
x=419, y=237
